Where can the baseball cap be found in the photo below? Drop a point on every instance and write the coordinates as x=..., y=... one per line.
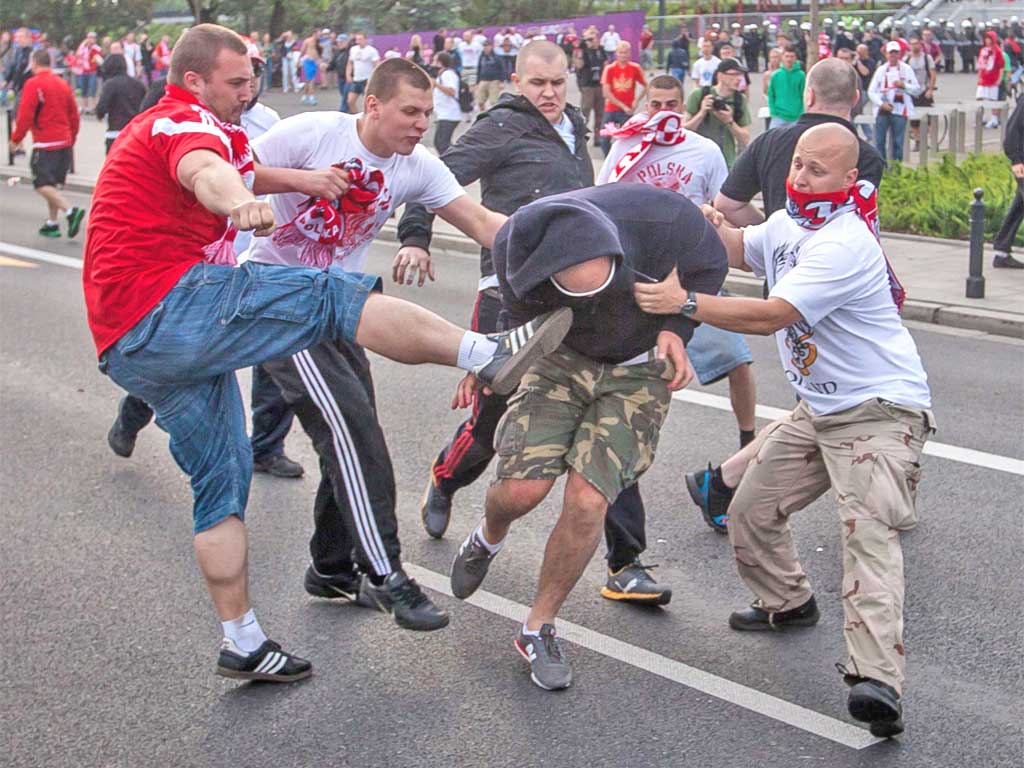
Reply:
x=892, y=46
x=730, y=65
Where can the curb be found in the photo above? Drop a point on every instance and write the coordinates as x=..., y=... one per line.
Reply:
x=935, y=313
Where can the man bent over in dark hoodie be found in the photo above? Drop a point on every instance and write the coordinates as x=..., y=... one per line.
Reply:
x=594, y=408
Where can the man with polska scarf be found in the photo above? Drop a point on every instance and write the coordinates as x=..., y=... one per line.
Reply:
x=862, y=421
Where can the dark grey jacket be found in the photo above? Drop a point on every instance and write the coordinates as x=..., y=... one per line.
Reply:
x=518, y=157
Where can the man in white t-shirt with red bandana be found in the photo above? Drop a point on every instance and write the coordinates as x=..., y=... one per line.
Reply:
x=862, y=421
x=329, y=385
x=653, y=148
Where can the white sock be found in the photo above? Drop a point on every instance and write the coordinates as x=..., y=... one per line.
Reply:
x=475, y=349
x=492, y=548
x=51, y=223
x=531, y=632
x=245, y=632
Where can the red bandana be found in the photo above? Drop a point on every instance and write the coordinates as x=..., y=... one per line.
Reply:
x=664, y=129
x=813, y=210
x=319, y=226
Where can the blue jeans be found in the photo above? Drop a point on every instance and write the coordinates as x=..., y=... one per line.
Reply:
x=182, y=356
x=714, y=352
x=777, y=122
x=87, y=84
x=886, y=122
x=343, y=89
x=611, y=117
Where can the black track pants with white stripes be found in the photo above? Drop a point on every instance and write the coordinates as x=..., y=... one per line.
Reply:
x=329, y=388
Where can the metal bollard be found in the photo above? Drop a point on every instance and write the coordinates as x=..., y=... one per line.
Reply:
x=933, y=133
x=10, y=132
x=954, y=142
x=975, y=280
x=923, y=129
x=979, y=129
x=961, y=131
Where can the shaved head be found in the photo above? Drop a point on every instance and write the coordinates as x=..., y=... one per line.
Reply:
x=825, y=159
x=587, y=277
x=545, y=50
x=833, y=83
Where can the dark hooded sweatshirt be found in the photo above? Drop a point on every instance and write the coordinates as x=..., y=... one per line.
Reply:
x=647, y=230
x=121, y=97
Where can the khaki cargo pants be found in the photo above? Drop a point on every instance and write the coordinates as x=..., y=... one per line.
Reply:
x=869, y=456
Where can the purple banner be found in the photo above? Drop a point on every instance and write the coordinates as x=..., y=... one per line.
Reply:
x=628, y=25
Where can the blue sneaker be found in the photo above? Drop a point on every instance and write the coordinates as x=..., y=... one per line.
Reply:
x=714, y=504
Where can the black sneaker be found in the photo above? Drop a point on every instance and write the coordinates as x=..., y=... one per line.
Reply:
x=74, y=218
x=520, y=348
x=120, y=440
x=435, y=508
x=549, y=666
x=278, y=465
x=50, y=230
x=633, y=584
x=405, y=599
x=1006, y=261
x=344, y=586
x=875, y=703
x=268, y=663
x=470, y=566
x=757, y=619
x=714, y=504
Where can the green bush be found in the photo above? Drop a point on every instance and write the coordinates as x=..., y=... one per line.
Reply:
x=936, y=201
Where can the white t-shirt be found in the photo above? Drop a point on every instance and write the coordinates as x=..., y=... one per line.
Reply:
x=851, y=345
x=609, y=41
x=703, y=70
x=565, y=130
x=470, y=53
x=363, y=58
x=315, y=140
x=132, y=57
x=256, y=121
x=447, y=107
x=695, y=168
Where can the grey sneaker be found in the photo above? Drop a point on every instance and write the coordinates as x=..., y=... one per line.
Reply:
x=521, y=347
x=405, y=600
x=470, y=566
x=633, y=584
x=549, y=667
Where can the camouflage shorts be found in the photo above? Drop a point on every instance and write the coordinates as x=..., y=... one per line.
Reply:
x=571, y=412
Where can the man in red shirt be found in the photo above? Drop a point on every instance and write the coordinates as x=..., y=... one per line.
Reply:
x=173, y=318
x=618, y=82
x=89, y=56
x=49, y=111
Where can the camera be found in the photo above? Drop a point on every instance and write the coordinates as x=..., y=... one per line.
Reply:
x=718, y=104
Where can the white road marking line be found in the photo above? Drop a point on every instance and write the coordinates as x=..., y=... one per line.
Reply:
x=932, y=448
x=840, y=732
x=941, y=450
x=31, y=253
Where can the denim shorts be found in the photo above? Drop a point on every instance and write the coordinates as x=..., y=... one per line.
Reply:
x=714, y=352
x=182, y=356
x=87, y=84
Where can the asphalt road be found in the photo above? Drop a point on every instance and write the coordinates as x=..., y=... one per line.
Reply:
x=109, y=640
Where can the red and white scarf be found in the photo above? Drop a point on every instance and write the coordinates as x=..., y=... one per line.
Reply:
x=319, y=226
x=222, y=251
x=665, y=129
x=813, y=210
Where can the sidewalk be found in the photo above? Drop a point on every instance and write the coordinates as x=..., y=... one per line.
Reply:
x=933, y=270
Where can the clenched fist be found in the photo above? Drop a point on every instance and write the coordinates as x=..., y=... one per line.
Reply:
x=253, y=215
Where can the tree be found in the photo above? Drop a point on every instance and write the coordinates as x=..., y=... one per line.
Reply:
x=59, y=18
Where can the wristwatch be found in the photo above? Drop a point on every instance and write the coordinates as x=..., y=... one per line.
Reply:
x=690, y=305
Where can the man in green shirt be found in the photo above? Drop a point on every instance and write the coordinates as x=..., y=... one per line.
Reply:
x=786, y=91
x=720, y=112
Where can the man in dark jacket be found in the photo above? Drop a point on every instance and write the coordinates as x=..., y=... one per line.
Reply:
x=520, y=154
x=1013, y=146
x=588, y=61
x=490, y=77
x=595, y=407
x=120, y=97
